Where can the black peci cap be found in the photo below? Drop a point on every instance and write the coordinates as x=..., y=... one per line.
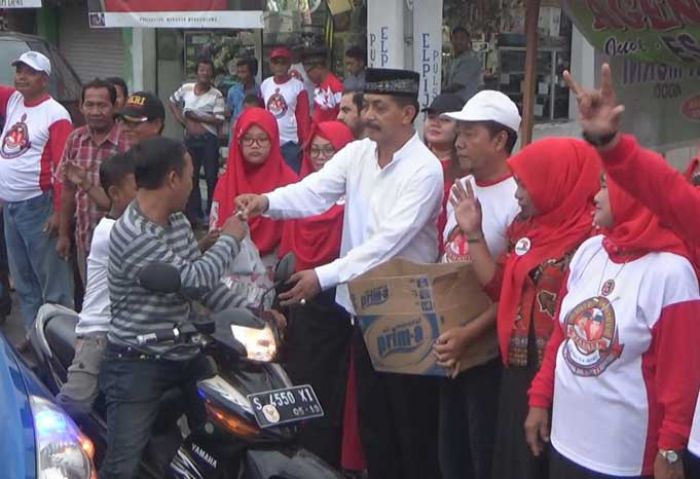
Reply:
x=384, y=81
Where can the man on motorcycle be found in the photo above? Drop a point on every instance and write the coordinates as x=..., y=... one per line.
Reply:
x=154, y=229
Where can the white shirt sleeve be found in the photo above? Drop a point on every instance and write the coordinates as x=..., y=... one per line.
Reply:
x=177, y=96
x=314, y=194
x=417, y=206
x=219, y=107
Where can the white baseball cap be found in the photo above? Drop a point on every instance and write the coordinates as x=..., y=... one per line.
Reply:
x=35, y=61
x=489, y=105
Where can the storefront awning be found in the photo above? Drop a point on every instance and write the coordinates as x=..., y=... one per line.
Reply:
x=660, y=31
x=176, y=13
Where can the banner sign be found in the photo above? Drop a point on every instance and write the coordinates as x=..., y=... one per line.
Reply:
x=662, y=102
x=20, y=4
x=385, y=34
x=662, y=31
x=176, y=13
x=427, y=48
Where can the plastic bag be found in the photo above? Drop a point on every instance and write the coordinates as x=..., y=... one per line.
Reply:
x=249, y=277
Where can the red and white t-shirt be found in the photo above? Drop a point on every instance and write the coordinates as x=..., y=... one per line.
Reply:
x=31, y=145
x=327, y=97
x=289, y=104
x=624, y=361
x=499, y=208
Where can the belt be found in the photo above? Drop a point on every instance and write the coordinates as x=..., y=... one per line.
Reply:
x=127, y=352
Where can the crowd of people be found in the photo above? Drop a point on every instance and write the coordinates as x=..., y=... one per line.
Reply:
x=583, y=245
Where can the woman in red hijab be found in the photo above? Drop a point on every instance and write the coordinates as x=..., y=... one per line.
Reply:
x=622, y=368
x=557, y=180
x=319, y=331
x=255, y=165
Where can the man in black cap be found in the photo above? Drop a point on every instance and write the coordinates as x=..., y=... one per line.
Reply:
x=393, y=187
x=142, y=117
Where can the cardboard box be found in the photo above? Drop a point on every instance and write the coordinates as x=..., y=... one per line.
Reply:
x=403, y=307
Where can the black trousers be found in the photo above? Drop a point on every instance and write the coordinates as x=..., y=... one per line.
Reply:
x=317, y=346
x=468, y=413
x=204, y=150
x=398, y=415
x=692, y=466
x=562, y=468
x=133, y=391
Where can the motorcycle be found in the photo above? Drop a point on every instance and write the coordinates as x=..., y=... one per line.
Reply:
x=253, y=409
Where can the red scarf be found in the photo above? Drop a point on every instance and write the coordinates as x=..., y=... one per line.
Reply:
x=562, y=175
x=241, y=177
x=637, y=230
x=316, y=240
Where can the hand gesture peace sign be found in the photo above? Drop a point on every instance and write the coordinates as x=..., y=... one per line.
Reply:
x=599, y=110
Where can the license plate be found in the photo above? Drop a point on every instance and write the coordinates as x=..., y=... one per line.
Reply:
x=284, y=406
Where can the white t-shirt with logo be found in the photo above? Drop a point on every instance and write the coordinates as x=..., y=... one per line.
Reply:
x=281, y=100
x=95, y=315
x=211, y=102
x=28, y=152
x=622, y=384
x=499, y=208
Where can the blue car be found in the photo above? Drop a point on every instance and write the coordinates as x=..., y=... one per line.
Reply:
x=37, y=438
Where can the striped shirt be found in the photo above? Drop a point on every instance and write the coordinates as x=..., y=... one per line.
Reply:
x=136, y=241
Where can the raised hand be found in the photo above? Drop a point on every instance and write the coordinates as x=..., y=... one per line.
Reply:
x=600, y=113
x=467, y=208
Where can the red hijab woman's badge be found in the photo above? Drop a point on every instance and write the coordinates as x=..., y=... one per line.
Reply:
x=523, y=246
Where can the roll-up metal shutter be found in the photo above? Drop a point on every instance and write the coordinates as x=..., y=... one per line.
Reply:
x=91, y=52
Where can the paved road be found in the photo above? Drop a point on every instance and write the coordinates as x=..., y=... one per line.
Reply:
x=13, y=327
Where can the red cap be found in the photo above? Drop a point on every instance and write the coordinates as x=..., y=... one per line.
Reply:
x=281, y=52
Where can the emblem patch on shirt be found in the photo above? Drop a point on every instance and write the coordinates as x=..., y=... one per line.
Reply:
x=277, y=105
x=592, y=341
x=16, y=141
x=457, y=247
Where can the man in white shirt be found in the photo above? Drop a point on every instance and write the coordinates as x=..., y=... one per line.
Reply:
x=486, y=134
x=31, y=147
x=200, y=108
x=393, y=188
x=81, y=387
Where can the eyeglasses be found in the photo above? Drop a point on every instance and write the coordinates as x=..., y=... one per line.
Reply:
x=249, y=141
x=325, y=151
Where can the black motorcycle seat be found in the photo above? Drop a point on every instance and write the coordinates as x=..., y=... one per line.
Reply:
x=60, y=334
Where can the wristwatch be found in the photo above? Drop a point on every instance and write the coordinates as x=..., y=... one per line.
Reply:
x=475, y=238
x=671, y=457
x=599, y=140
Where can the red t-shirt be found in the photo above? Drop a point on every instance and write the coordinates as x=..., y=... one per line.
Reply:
x=327, y=97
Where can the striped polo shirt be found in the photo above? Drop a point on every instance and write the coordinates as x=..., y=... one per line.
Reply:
x=135, y=241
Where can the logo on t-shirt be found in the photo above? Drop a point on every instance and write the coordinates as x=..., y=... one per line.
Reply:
x=592, y=342
x=277, y=105
x=457, y=247
x=16, y=141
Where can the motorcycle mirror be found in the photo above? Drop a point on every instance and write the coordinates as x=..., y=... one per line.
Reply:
x=238, y=317
x=285, y=268
x=160, y=277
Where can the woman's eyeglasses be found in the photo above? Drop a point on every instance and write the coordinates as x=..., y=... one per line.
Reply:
x=325, y=151
x=249, y=141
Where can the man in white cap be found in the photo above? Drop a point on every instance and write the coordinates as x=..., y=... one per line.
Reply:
x=31, y=146
x=486, y=134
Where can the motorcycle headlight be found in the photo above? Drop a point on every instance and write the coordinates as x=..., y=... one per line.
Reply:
x=260, y=343
x=63, y=452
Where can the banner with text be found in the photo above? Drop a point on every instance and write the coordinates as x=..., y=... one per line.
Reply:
x=662, y=102
x=176, y=13
x=385, y=34
x=664, y=31
x=20, y=4
x=427, y=48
